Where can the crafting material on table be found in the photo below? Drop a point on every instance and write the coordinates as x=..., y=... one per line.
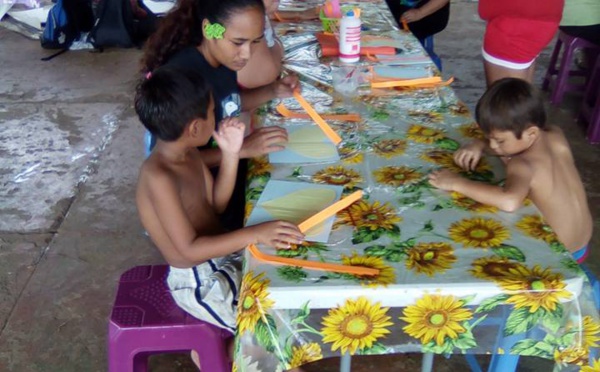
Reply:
x=330, y=133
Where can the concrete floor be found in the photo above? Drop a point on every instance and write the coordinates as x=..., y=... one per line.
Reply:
x=70, y=148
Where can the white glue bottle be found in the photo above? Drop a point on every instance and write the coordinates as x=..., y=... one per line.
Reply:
x=350, y=37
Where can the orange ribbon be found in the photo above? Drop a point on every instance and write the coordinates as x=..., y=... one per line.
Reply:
x=285, y=112
x=307, y=224
x=330, y=133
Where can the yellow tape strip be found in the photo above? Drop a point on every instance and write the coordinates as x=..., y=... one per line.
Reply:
x=330, y=133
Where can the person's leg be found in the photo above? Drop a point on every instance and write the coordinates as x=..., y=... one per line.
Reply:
x=495, y=72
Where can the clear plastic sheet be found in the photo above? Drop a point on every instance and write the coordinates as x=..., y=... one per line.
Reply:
x=454, y=274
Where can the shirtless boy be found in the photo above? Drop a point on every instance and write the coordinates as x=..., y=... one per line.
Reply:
x=179, y=201
x=538, y=161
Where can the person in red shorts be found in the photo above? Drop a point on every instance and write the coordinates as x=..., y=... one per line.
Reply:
x=516, y=32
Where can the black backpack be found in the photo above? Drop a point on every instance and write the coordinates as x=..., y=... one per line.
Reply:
x=66, y=21
x=117, y=26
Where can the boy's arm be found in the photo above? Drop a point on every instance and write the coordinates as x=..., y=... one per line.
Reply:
x=164, y=196
x=263, y=68
x=507, y=198
x=229, y=138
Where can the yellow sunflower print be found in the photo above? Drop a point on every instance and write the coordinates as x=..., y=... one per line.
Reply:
x=571, y=355
x=435, y=317
x=306, y=353
x=423, y=134
x=445, y=159
x=254, y=301
x=351, y=156
x=386, y=275
x=259, y=167
x=339, y=176
x=469, y=204
x=534, y=288
x=372, y=216
x=535, y=227
x=492, y=268
x=389, y=148
x=397, y=176
x=428, y=117
x=591, y=332
x=355, y=326
x=460, y=109
x=593, y=367
x=248, y=210
x=430, y=258
x=471, y=130
x=479, y=232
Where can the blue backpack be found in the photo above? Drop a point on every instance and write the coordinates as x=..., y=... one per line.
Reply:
x=58, y=34
x=66, y=21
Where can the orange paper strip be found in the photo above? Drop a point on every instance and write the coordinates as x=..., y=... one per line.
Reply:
x=330, y=133
x=423, y=82
x=285, y=112
x=329, y=211
x=314, y=265
x=405, y=26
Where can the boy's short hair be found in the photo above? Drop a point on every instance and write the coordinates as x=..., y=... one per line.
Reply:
x=510, y=104
x=167, y=100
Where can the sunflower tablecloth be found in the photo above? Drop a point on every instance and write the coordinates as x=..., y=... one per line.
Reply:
x=455, y=275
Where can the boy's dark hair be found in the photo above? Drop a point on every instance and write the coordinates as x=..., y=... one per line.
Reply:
x=510, y=104
x=182, y=27
x=168, y=100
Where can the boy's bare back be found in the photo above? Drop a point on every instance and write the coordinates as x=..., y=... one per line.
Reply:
x=193, y=182
x=556, y=188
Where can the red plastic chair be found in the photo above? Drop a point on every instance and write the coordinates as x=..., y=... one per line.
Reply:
x=590, y=109
x=557, y=78
x=145, y=320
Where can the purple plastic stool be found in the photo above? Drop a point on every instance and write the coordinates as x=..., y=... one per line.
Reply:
x=558, y=78
x=590, y=109
x=145, y=320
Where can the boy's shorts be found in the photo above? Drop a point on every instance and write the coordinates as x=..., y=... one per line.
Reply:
x=581, y=254
x=516, y=42
x=209, y=291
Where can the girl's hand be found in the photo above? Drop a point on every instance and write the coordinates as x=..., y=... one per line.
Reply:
x=411, y=15
x=230, y=135
x=278, y=234
x=286, y=86
x=263, y=141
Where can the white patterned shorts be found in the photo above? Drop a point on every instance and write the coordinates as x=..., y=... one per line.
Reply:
x=210, y=290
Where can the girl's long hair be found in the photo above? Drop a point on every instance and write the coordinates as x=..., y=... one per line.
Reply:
x=182, y=27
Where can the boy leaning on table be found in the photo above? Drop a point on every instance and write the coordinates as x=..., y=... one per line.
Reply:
x=179, y=201
x=538, y=161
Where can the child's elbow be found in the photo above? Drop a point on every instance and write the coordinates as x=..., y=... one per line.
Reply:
x=510, y=205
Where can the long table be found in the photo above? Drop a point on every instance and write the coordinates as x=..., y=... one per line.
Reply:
x=455, y=276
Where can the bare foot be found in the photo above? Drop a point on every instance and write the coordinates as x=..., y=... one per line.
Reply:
x=195, y=359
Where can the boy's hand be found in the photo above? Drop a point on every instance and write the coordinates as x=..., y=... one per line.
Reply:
x=263, y=141
x=278, y=234
x=230, y=135
x=468, y=156
x=444, y=179
x=285, y=87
